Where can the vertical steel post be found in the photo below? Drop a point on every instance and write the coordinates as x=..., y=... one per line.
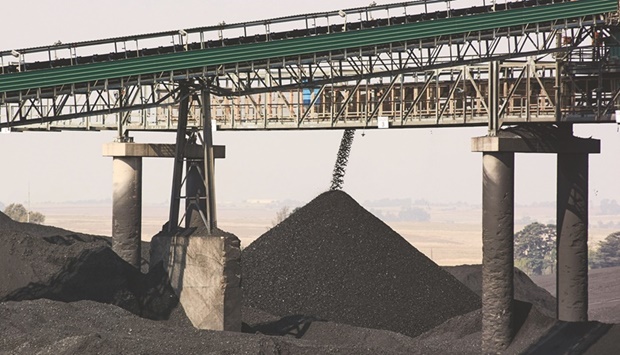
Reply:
x=497, y=251
x=494, y=121
x=195, y=201
x=177, y=175
x=572, y=237
x=558, y=79
x=209, y=171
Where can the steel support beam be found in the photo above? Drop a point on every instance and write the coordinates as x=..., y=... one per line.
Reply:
x=209, y=169
x=195, y=198
x=177, y=174
x=495, y=122
x=497, y=251
x=572, y=237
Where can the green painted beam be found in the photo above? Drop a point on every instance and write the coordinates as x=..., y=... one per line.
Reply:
x=302, y=46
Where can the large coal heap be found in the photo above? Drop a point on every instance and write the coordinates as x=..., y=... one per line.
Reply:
x=334, y=260
x=525, y=289
x=40, y=261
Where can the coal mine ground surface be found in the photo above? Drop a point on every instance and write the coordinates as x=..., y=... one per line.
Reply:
x=330, y=279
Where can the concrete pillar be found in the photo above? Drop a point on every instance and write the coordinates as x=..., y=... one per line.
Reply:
x=572, y=237
x=205, y=272
x=497, y=251
x=127, y=208
x=195, y=194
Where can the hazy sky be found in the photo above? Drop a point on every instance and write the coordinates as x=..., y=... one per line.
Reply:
x=433, y=164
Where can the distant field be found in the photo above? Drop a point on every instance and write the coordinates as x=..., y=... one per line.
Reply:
x=451, y=237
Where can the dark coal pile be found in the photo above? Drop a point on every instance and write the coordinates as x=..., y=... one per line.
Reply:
x=65, y=292
x=334, y=260
x=47, y=262
x=85, y=327
x=31, y=253
x=525, y=289
x=327, y=333
x=603, y=289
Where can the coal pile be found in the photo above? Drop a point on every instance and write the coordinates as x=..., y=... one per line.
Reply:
x=331, y=266
x=86, y=327
x=31, y=253
x=47, y=262
x=525, y=289
x=334, y=260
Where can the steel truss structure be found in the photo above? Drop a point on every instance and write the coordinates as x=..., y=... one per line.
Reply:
x=547, y=73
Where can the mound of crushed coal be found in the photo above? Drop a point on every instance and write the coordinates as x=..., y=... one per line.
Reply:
x=325, y=332
x=603, y=291
x=47, y=262
x=86, y=327
x=462, y=334
x=31, y=253
x=334, y=260
x=525, y=289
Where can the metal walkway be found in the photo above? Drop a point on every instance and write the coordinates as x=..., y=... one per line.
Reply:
x=323, y=70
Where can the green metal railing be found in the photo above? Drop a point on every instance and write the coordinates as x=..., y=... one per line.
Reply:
x=302, y=46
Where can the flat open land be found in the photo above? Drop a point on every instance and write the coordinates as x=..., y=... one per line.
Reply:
x=453, y=236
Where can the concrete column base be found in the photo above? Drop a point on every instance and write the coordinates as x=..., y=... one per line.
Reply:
x=205, y=272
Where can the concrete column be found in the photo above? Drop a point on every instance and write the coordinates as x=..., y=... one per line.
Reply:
x=572, y=238
x=195, y=192
x=497, y=251
x=127, y=208
x=205, y=272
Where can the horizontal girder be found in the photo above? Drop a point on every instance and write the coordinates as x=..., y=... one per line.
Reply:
x=440, y=97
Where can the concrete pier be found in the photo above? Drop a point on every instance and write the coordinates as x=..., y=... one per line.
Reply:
x=205, y=272
x=203, y=265
x=127, y=190
x=127, y=208
x=497, y=251
x=498, y=221
x=572, y=234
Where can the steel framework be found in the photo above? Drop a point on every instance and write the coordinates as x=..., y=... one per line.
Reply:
x=413, y=70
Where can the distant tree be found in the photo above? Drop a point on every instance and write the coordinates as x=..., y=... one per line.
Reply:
x=19, y=213
x=535, y=249
x=610, y=207
x=37, y=217
x=608, y=253
x=415, y=214
x=281, y=215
